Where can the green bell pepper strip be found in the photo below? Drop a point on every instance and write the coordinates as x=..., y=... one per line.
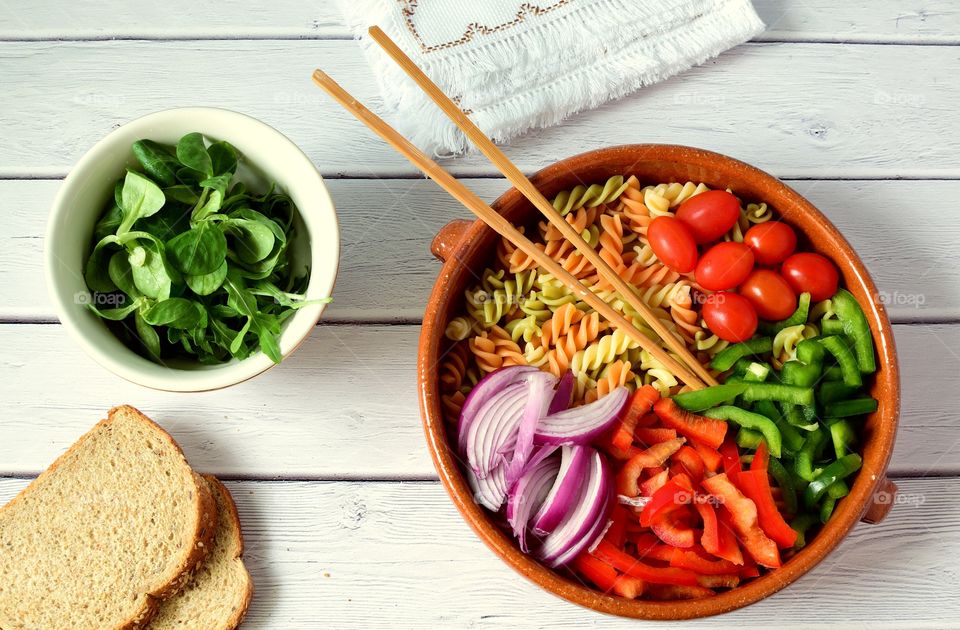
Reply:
x=856, y=327
x=756, y=372
x=775, y=391
x=831, y=327
x=748, y=438
x=810, y=351
x=826, y=508
x=785, y=480
x=838, y=347
x=803, y=463
x=838, y=489
x=800, y=374
x=750, y=420
x=798, y=416
x=832, y=391
x=852, y=407
x=729, y=355
x=701, y=399
x=835, y=492
x=802, y=524
x=843, y=436
x=798, y=317
x=840, y=469
x=791, y=437
x=741, y=366
x=833, y=373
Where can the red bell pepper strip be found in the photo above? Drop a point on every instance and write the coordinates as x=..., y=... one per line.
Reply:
x=690, y=559
x=690, y=462
x=601, y=574
x=706, y=430
x=617, y=532
x=629, y=587
x=628, y=479
x=650, y=435
x=729, y=547
x=654, y=483
x=672, y=526
x=749, y=569
x=719, y=581
x=743, y=513
x=731, y=456
x=710, y=538
x=673, y=591
x=640, y=405
x=648, y=420
x=761, y=459
x=756, y=486
x=649, y=547
x=711, y=457
x=677, y=491
x=622, y=454
x=627, y=564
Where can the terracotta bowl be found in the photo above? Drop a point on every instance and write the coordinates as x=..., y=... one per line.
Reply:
x=467, y=247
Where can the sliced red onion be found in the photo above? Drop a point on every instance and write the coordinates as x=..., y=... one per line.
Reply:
x=494, y=429
x=489, y=386
x=540, y=393
x=491, y=491
x=589, y=542
x=580, y=425
x=561, y=399
x=586, y=518
x=539, y=454
x=528, y=495
x=574, y=461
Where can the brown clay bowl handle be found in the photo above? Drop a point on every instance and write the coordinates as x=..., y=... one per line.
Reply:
x=880, y=503
x=448, y=237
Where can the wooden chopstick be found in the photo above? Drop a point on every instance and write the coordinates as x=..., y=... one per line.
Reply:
x=526, y=187
x=503, y=227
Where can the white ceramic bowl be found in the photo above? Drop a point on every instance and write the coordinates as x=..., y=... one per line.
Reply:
x=268, y=156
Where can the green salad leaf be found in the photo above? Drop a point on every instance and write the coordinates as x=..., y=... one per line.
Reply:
x=196, y=259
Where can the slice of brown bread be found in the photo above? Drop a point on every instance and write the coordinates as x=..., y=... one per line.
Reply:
x=217, y=596
x=115, y=525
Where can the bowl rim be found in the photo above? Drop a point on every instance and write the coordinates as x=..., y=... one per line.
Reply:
x=877, y=451
x=137, y=369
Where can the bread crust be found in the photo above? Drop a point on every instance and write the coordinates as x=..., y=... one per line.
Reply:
x=234, y=515
x=204, y=504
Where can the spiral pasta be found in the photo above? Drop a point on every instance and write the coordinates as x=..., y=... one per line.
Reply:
x=518, y=314
x=590, y=196
x=785, y=342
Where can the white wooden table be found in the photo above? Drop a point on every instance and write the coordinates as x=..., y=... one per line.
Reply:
x=854, y=103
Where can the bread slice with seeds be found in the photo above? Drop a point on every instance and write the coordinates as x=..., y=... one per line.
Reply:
x=217, y=596
x=113, y=527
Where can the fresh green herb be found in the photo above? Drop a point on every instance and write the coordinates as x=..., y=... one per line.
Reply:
x=200, y=263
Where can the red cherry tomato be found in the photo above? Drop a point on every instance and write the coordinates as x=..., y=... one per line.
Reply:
x=673, y=244
x=811, y=273
x=724, y=266
x=730, y=316
x=770, y=294
x=771, y=242
x=709, y=215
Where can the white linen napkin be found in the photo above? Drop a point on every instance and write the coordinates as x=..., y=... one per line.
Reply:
x=515, y=65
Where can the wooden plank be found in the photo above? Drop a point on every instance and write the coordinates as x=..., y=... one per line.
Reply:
x=345, y=406
x=936, y=22
x=839, y=112
x=349, y=555
x=886, y=21
x=387, y=270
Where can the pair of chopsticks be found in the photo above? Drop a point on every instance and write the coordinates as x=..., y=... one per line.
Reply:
x=695, y=376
